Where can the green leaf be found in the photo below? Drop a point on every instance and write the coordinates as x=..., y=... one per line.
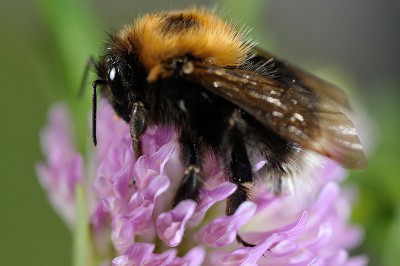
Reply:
x=74, y=35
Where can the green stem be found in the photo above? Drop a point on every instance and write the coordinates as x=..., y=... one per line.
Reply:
x=83, y=251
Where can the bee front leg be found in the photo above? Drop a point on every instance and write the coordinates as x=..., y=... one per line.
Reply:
x=138, y=125
x=191, y=158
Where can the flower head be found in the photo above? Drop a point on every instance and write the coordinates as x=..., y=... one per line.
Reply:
x=132, y=216
x=64, y=167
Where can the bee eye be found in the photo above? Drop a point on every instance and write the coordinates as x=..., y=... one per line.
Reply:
x=114, y=81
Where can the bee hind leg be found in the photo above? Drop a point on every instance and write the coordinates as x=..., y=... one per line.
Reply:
x=238, y=166
x=191, y=158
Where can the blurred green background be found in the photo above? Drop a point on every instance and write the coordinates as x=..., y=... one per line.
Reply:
x=45, y=45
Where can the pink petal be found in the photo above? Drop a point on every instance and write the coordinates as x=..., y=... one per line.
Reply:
x=303, y=257
x=315, y=262
x=289, y=232
x=171, y=225
x=328, y=196
x=102, y=187
x=338, y=258
x=110, y=204
x=163, y=259
x=123, y=235
x=122, y=182
x=294, y=232
x=194, y=257
x=140, y=169
x=248, y=256
x=122, y=260
x=157, y=186
x=259, y=165
x=283, y=248
x=147, y=166
x=209, y=198
x=141, y=220
x=357, y=261
x=99, y=219
x=156, y=137
x=325, y=233
x=158, y=160
x=137, y=254
x=223, y=230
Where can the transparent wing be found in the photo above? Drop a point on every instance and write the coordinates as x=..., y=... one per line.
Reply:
x=301, y=114
x=311, y=81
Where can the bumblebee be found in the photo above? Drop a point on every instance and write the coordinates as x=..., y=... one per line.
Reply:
x=193, y=70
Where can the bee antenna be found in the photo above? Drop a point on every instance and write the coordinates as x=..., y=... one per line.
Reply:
x=89, y=64
x=94, y=107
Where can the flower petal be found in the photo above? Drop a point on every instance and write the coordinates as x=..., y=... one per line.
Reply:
x=134, y=255
x=102, y=187
x=171, y=225
x=209, y=198
x=223, y=230
x=194, y=257
x=283, y=248
x=244, y=256
x=163, y=259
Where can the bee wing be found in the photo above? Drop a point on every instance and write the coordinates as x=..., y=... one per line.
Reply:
x=297, y=113
x=311, y=81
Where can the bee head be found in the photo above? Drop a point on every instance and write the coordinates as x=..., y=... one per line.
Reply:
x=122, y=77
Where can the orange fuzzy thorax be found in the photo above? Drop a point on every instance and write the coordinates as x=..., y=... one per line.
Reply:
x=198, y=32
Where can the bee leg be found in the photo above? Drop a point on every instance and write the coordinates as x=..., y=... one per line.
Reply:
x=138, y=125
x=241, y=175
x=239, y=167
x=190, y=157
